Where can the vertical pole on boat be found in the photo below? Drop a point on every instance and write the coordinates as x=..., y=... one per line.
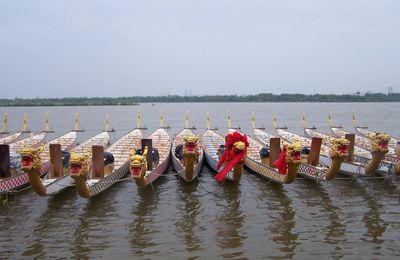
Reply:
x=275, y=150
x=187, y=119
x=98, y=161
x=25, y=123
x=56, y=165
x=351, y=138
x=303, y=121
x=5, y=169
x=208, y=120
x=229, y=119
x=106, y=129
x=149, y=157
x=46, y=126
x=313, y=157
x=161, y=119
x=275, y=123
x=329, y=120
x=353, y=122
x=139, y=119
x=4, y=123
x=253, y=123
x=76, y=124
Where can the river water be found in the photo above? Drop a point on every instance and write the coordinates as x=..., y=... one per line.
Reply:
x=202, y=220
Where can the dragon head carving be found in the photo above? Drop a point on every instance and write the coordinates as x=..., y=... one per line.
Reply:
x=293, y=153
x=79, y=164
x=138, y=163
x=339, y=147
x=30, y=158
x=236, y=142
x=379, y=142
x=191, y=144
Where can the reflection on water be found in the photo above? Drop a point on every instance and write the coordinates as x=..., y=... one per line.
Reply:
x=372, y=219
x=282, y=226
x=230, y=222
x=58, y=210
x=189, y=207
x=143, y=229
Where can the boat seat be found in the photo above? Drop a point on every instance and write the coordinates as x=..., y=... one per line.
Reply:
x=179, y=151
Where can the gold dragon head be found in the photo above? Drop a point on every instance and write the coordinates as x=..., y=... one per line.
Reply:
x=379, y=142
x=240, y=146
x=79, y=164
x=339, y=147
x=191, y=143
x=30, y=158
x=293, y=153
x=138, y=163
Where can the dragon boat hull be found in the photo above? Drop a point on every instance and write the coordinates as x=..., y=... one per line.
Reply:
x=211, y=142
x=365, y=132
x=255, y=164
x=21, y=179
x=315, y=173
x=55, y=185
x=355, y=169
x=120, y=150
x=10, y=138
x=390, y=159
x=162, y=143
x=188, y=174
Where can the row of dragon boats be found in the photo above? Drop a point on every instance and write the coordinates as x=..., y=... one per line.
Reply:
x=94, y=165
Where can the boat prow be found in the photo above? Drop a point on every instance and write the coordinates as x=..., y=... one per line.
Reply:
x=149, y=164
x=12, y=177
x=105, y=172
x=59, y=178
x=287, y=161
x=214, y=145
x=187, y=155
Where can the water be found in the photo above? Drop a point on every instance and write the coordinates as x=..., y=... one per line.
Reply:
x=202, y=220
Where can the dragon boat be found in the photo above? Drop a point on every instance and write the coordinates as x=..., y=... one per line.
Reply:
x=10, y=138
x=311, y=167
x=366, y=132
x=34, y=160
x=375, y=147
x=187, y=155
x=58, y=178
x=105, y=171
x=146, y=166
x=214, y=146
x=280, y=167
x=356, y=163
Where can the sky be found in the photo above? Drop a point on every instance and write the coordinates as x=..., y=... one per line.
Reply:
x=207, y=47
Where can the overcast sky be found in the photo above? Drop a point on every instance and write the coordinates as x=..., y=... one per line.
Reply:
x=125, y=48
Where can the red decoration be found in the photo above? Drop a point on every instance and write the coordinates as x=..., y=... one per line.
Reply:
x=231, y=155
x=280, y=164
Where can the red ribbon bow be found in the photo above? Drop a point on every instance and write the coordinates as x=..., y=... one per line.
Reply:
x=231, y=155
x=280, y=164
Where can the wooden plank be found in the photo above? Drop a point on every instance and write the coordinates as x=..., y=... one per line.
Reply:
x=98, y=161
x=149, y=158
x=350, y=151
x=5, y=169
x=313, y=157
x=56, y=165
x=275, y=150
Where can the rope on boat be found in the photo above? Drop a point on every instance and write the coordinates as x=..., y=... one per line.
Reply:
x=12, y=192
x=207, y=191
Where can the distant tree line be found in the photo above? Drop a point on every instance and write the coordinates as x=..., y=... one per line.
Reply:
x=263, y=97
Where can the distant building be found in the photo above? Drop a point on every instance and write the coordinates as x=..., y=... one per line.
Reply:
x=390, y=90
